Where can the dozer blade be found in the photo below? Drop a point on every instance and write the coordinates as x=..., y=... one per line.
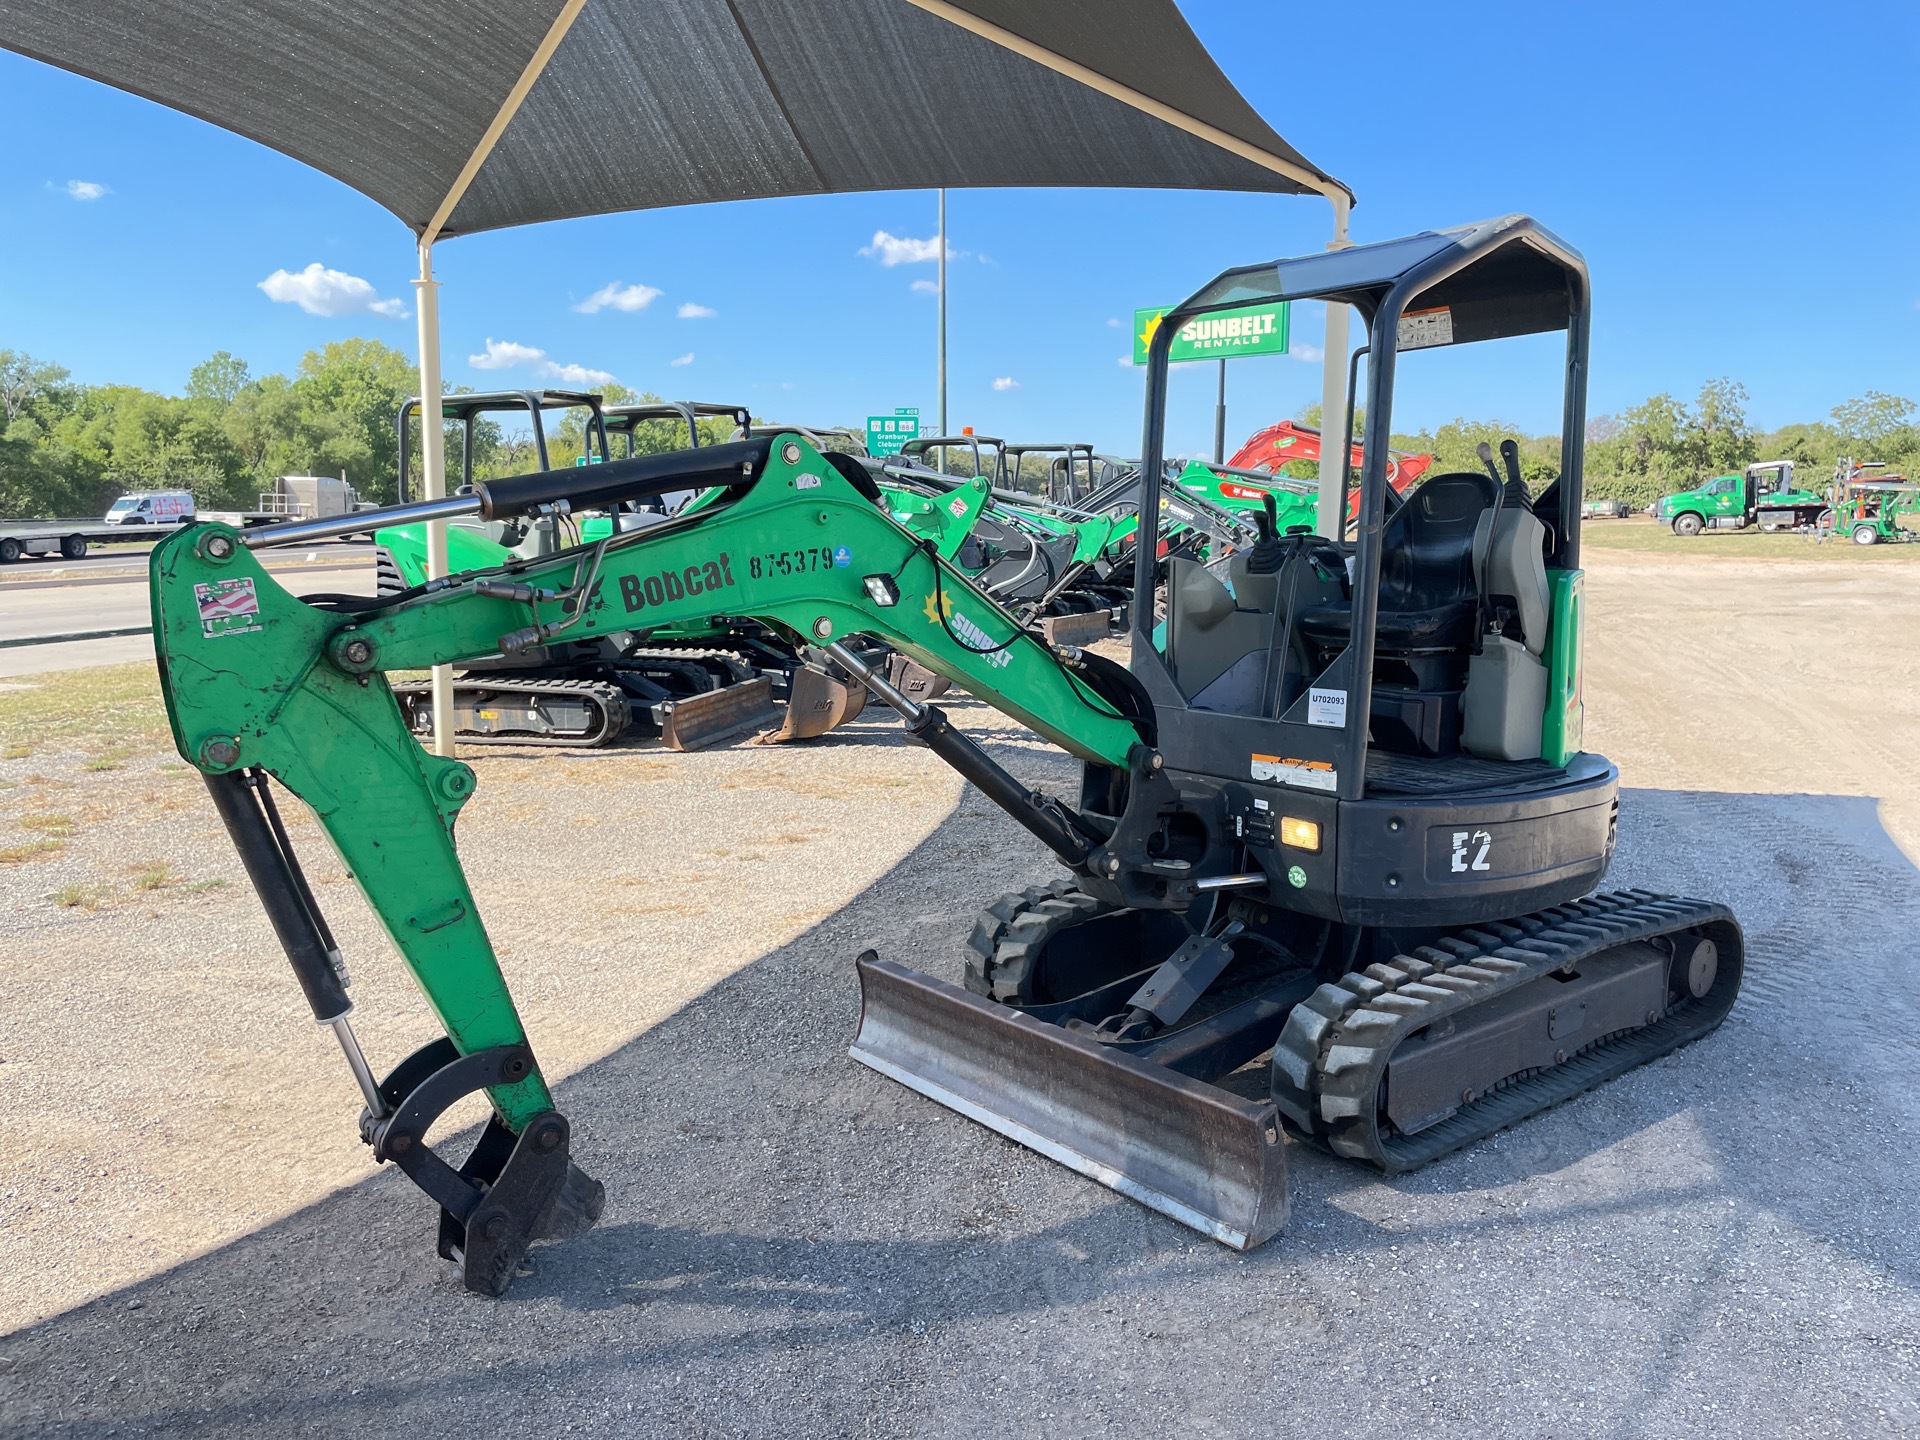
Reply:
x=703, y=719
x=816, y=703
x=1200, y=1155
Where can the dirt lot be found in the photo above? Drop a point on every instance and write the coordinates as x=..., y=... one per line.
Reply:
x=1723, y=1243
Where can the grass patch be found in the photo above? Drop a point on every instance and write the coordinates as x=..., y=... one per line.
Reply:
x=79, y=897
x=16, y=752
x=58, y=827
x=108, y=759
x=113, y=704
x=32, y=850
x=1651, y=537
x=153, y=877
x=201, y=887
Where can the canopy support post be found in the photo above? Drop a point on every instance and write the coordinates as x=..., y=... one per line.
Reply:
x=1335, y=449
x=433, y=478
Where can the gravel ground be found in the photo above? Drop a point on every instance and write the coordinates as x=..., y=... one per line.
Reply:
x=1722, y=1243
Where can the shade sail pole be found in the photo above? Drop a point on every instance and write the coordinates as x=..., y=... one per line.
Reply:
x=1335, y=448
x=433, y=433
x=433, y=468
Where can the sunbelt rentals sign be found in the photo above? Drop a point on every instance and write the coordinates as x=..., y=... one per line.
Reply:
x=1218, y=335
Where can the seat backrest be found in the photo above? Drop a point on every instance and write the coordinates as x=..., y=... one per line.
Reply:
x=1427, y=555
x=1512, y=560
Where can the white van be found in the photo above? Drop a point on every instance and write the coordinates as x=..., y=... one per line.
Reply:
x=152, y=507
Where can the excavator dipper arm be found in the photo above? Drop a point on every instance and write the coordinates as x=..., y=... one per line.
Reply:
x=262, y=687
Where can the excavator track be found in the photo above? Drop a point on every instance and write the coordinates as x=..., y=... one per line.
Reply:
x=576, y=713
x=1333, y=1064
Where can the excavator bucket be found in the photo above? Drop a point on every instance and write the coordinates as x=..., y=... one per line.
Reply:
x=1200, y=1155
x=704, y=719
x=816, y=703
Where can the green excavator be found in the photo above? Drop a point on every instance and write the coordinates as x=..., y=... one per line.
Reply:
x=1330, y=868
x=691, y=684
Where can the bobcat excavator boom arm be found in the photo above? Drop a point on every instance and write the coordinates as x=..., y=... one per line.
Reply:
x=259, y=684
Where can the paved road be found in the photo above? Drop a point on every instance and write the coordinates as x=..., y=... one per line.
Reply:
x=87, y=605
x=133, y=560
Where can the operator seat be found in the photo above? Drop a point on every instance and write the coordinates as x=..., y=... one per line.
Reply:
x=1429, y=609
x=1428, y=595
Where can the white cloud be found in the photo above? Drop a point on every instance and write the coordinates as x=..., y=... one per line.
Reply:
x=691, y=311
x=1126, y=362
x=686, y=359
x=86, y=189
x=320, y=291
x=504, y=355
x=1301, y=350
x=1006, y=382
x=508, y=355
x=618, y=296
x=891, y=250
x=575, y=374
x=1115, y=325
x=925, y=287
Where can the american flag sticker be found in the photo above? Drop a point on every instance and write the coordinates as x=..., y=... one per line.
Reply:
x=228, y=607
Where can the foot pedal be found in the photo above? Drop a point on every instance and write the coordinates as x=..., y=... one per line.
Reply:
x=512, y=1190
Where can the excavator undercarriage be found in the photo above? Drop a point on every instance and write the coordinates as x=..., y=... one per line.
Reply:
x=1330, y=871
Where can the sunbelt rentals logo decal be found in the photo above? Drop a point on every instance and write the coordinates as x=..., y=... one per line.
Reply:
x=970, y=633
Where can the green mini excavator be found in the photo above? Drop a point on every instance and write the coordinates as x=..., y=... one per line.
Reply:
x=1331, y=864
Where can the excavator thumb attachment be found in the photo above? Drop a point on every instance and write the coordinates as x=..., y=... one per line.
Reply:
x=1200, y=1155
x=816, y=703
x=700, y=720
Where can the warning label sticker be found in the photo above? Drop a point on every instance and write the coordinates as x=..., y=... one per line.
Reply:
x=228, y=607
x=1327, y=707
x=1303, y=774
x=1421, y=328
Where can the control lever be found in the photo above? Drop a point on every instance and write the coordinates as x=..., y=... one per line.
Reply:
x=1267, y=554
x=1510, y=457
x=1485, y=452
x=1509, y=452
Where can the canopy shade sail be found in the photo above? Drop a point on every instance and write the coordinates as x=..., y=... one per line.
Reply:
x=461, y=116
x=468, y=115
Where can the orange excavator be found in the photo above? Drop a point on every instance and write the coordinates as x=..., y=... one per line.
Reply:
x=1286, y=440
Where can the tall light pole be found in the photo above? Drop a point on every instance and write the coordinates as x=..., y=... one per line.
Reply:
x=1220, y=418
x=943, y=319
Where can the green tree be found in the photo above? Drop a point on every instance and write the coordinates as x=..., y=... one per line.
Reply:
x=349, y=394
x=1876, y=426
x=1719, y=439
x=25, y=380
x=218, y=379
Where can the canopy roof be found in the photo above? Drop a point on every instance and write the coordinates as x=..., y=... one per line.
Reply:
x=1501, y=277
x=468, y=115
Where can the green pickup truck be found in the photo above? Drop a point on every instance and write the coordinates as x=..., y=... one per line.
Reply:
x=1763, y=494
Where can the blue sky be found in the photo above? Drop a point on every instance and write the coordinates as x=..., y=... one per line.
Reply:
x=1747, y=205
